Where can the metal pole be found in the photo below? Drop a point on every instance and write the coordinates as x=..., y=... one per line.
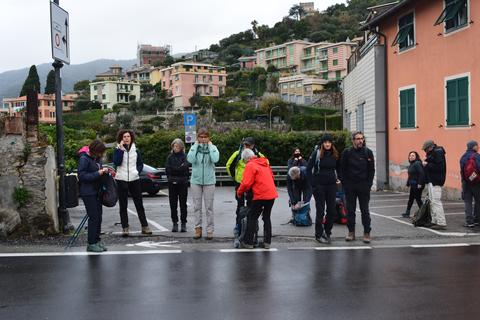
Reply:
x=271, y=116
x=62, y=209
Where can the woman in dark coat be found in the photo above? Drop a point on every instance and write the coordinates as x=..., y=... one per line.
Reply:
x=297, y=159
x=416, y=182
x=177, y=171
x=90, y=172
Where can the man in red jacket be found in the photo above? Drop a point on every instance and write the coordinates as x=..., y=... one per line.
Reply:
x=258, y=176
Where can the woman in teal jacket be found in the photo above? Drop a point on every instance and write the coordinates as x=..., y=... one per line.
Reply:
x=203, y=155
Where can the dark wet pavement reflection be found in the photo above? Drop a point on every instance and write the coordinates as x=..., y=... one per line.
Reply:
x=406, y=283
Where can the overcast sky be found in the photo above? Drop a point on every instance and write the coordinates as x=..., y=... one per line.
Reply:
x=112, y=28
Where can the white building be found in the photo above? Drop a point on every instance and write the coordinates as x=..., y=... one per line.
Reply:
x=364, y=93
x=109, y=93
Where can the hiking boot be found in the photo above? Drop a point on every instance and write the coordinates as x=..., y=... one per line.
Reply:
x=198, y=233
x=366, y=237
x=94, y=248
x=438, y=227
x=146, y=230
x=266, y=245
x=175, y=227
x=125, y=232
x=350, y=236
x=209, y=236
x=324, y=239
x=246, y=246
x=469, y=225
x=183, y=227
x=101, y=245
x=406, y=214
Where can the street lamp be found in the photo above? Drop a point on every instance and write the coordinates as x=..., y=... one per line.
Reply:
x=271, y=115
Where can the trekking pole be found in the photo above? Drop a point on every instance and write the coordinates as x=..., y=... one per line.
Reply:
x=75, y=235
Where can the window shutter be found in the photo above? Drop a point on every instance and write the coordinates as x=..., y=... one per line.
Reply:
x=403, y=109
x=452, y=117
x=411, y=108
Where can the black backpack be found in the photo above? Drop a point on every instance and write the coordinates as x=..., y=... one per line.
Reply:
x=423, y=217
x=71, y=191
x=108, y=191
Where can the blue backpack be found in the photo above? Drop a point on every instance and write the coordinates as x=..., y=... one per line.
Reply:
x=301, y=217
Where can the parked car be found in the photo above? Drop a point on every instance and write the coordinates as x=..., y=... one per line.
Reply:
x=151, y=179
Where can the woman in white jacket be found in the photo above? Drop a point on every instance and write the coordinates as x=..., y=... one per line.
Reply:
x=129, y=164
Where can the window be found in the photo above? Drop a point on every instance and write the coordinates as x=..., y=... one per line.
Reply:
x=292, y=85
x=338, y=75
x=457, y=102
x=290, y=49
x=335, y=62
x=95, y=97
x=348, y=118
x=94, y=87
x=104, y=96
x=176, y=77
x=407, y=108
x=405, y=37
x=285, y=97
x=335, y=50
x=284, y=86
x=220, y=78
x=299, y=84
x=455, y=15
x=359, y=114
x=325, y=76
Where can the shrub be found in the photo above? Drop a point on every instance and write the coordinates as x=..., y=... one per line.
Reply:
x=21, y=196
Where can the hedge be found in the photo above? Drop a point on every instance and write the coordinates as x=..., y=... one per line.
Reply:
x=276, y=146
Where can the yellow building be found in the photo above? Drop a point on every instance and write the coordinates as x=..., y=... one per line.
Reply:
x=300, y=89
x=155, y=75
x=109, y=93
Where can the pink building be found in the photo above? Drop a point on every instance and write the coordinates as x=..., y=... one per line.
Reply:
x=286, y=56
x=329, y=60
x=46, y=106
x=184, y=79
x=247, y=63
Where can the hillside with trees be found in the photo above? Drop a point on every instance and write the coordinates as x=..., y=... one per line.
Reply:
x=336, y=23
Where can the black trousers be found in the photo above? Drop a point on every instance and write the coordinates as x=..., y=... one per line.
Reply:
x=178, y=192
x=136, y=192
x=246, y=197
x=264, y=208
x=325, y=195
x=94, y=212
x=415, y=194
x=360, y=191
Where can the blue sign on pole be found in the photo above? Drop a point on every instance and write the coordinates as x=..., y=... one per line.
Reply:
x=189, y=119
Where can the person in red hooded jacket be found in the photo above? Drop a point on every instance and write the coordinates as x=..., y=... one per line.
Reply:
x=258, y=176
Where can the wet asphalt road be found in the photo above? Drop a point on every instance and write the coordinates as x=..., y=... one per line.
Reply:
x=394, y=283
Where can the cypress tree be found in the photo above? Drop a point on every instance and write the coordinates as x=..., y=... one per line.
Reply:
x=32, y=82
x=50, y=87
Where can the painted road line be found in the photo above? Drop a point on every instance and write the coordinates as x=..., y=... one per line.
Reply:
x=404, y=205
x=454, y=213
x=150, y=222
x=343, y=248
x=84, y=253
x=444, y=245
x=446, y=234
x=248, y=250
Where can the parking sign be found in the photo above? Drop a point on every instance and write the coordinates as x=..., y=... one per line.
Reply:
x=190, y=123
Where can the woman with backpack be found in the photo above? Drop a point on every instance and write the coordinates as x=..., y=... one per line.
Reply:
x=296, y=160
x=203, y=155
x=129, y=165
x=416, y=182
x=323, y=168
x=176, y=168
x=90, y=172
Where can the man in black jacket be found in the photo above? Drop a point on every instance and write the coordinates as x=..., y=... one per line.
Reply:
x=358, y=169
x=435, y=167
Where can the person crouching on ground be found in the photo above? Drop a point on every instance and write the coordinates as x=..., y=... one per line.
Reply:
x=90, y=172
x=298, y=187
x=129, y=165
x=416, y=181
x=203, y=155
x=176, y=168
x=258, y=176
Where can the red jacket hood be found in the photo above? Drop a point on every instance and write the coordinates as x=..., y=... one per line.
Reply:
x=261, y=161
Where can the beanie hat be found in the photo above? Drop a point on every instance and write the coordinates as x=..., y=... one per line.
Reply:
x=471, y=144
x=427, y=144
x=326, y=137
x=249, y=141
